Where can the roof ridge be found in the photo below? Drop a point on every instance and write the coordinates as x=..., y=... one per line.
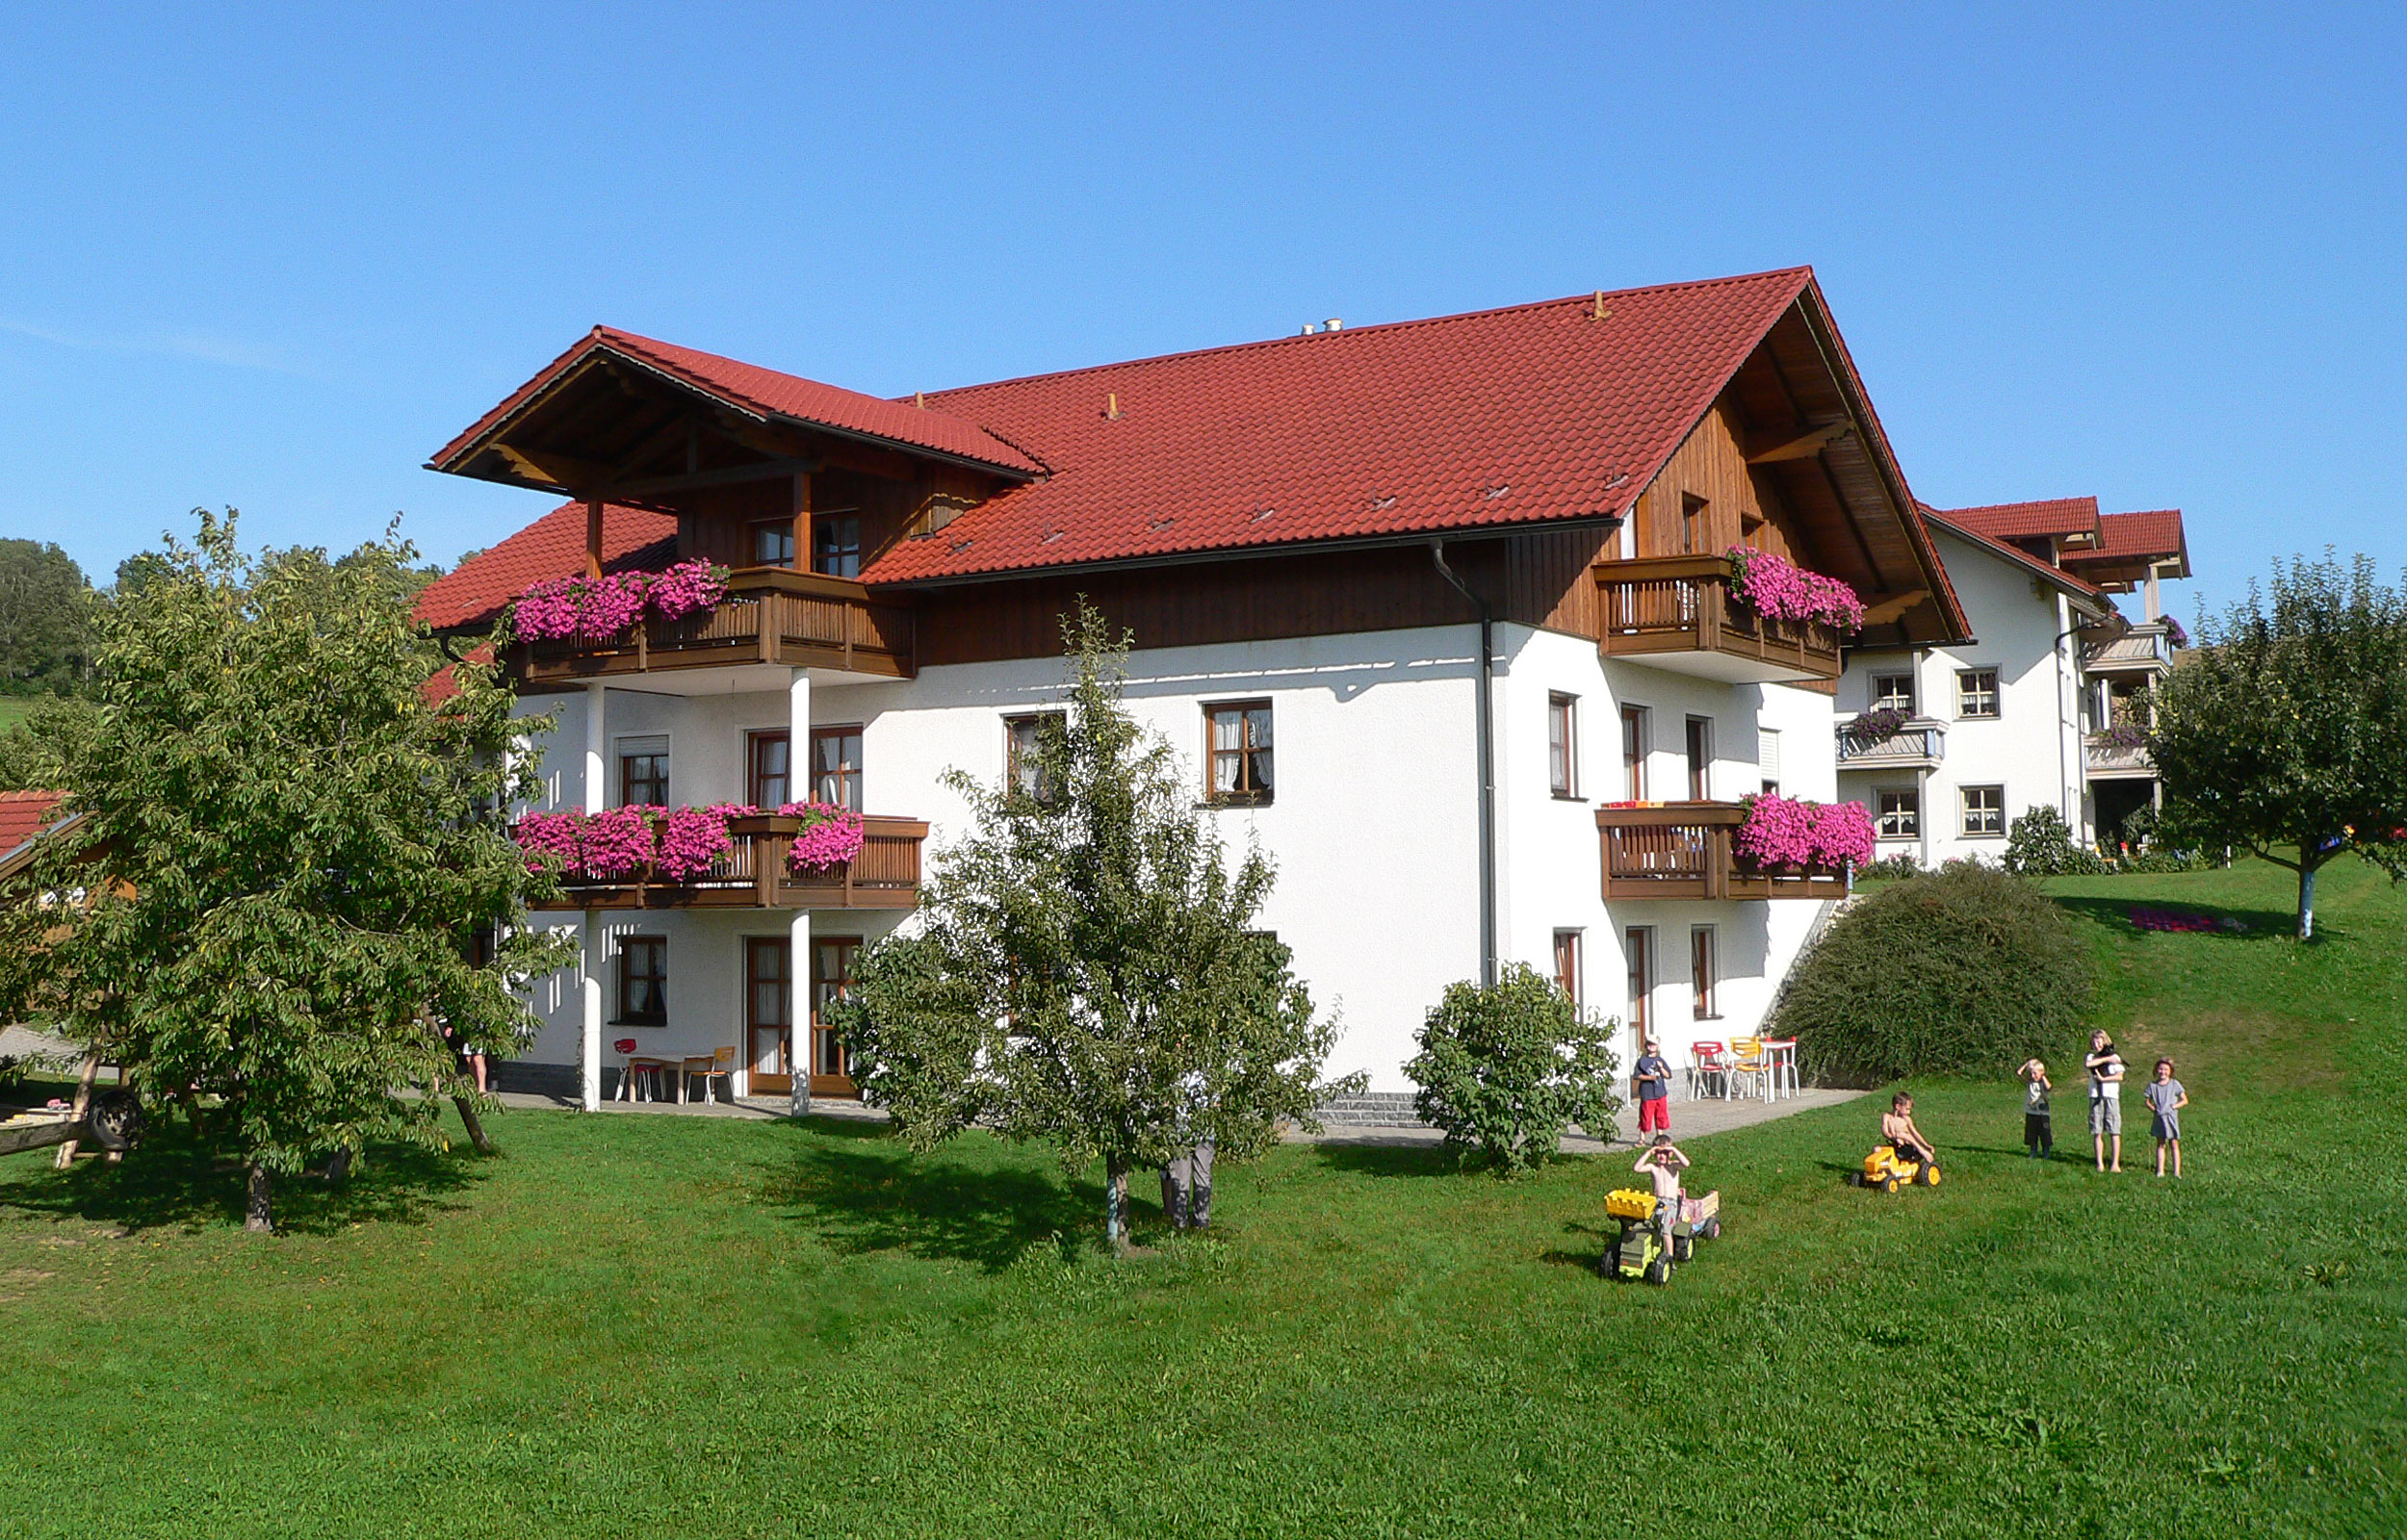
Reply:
x=1366, y=329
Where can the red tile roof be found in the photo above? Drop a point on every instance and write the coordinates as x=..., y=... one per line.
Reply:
x=766, y=392
x=2015, y=554
x=2139, y=536
x=23, y=814
x=553, y=545
x=1498, y=418
x=2023, y=521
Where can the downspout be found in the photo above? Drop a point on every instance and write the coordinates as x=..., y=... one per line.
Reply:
x=1483, y=714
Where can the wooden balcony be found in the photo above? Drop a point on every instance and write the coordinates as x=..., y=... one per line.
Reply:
x=753, y=874
x=1677, y=613
x=1681, y=850
x=771, y=615
x=1916, y=746
x=2104, y=760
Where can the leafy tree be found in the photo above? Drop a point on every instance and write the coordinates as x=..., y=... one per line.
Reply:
x=2040, y=844
x=1965, y=970
x=34, y=752
x=2285, y=733
x=1505, y=1071
x=1084, y=967
x=45, y=609
x=285, y=852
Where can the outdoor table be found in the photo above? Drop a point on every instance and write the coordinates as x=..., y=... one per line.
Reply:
x=1781, y=1055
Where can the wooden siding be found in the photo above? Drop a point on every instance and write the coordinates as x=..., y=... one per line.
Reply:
x=1741, y=505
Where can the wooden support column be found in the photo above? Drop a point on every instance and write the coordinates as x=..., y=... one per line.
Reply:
x=593, y=537
x=801, y=508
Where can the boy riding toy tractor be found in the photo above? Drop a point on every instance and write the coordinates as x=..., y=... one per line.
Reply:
x=1904, y=1156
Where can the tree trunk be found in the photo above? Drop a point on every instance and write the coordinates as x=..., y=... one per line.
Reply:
x=2306, y=898
x=82, y=1108
x=1116, y=1203
x=191, y=1099
x=475, y=1126
x=258, y=1208
x=339, y=1167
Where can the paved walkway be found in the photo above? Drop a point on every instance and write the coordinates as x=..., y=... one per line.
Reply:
x=1690, y=1120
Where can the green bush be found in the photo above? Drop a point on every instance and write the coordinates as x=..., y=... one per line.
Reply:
x=1894, y=866
x=1503, y=1071
x=2039, y=845
x=1966, y=970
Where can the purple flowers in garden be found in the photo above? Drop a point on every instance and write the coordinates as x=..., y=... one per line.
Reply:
x=597, y=609
x=1779, y=589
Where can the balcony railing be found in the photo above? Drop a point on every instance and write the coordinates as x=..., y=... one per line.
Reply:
x=2107, y=760
x=753, y=874
x=1681, y=850
x=1915, y=745
x=1677, y=613
x=771, y=615
x=2148, y=647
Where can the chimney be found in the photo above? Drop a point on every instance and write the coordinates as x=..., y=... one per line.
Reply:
x=1334, y=323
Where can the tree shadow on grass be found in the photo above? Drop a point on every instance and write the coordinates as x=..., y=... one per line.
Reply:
x=1584, y=1260
x=1422, y=1158
x=2262, y=924
x=869, y=1193
x=174, y=1182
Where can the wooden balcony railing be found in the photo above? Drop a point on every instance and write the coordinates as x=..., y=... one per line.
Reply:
x=753, y=874
x=1917, y=743
x=1681, y=850
x=771, y=615
x=1677, y=612
x=2105, y=759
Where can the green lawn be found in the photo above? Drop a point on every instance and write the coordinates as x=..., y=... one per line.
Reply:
x=646, y=1326
x=14, y=709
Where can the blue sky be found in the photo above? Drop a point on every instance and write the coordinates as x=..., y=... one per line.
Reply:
x=272, y=258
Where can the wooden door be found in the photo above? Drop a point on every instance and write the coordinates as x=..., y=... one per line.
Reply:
x=769, y=1015
x=831, y=975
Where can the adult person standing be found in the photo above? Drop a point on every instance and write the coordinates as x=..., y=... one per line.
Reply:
x=2106, y=1098
x=1651, y=1078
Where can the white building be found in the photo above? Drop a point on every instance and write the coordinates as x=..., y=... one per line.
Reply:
x=1331, y=549
x=2021, y=715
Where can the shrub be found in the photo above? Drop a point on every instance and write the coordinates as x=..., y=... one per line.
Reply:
x=2039, y=845
x=1965, y=970
x=1504, y=1070
x=1901, y=864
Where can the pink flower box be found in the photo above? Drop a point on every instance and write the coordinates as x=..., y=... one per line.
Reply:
x=1779, y=589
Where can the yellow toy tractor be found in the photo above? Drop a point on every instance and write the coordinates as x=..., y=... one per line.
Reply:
x=1884, y=1170
x=1642, y=1249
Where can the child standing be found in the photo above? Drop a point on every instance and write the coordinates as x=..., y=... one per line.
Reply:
x=2166, y=1099
x=1662, y=1162
x=2038, y=1136
x=2106, y=1097
x=1651, y=1075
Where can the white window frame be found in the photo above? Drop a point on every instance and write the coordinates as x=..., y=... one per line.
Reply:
x=1996, y=693
x=1880, y=694
x=1563, y=746
x=1964, y=812
x=1910, y=811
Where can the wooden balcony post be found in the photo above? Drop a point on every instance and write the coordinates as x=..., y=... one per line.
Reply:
x=593, y=537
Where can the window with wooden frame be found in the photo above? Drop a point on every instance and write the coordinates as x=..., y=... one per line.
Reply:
x=1893, y=692
x=1562, y=768
x=1984, y=812
x=643, y=772
x=836, y=767
x=1899, y=815
x=1568, y=965
x=1700, y=759
x=836, y=542
x=1695, y=526
x=1237, y=751
x=1634, y=752
x=768, y=770
x=770, y=542
x=1638, y=948
x=642, y=982
x=1023, y=759
x=1704, y=982
x=1976, y=693
x=832, y=960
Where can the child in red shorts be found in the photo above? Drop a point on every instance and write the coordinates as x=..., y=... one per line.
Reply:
x=1651, y=1078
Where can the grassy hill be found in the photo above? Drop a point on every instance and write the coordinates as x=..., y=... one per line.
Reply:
x=646, y=1325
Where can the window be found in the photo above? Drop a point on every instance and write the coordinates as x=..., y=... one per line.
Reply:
x=1768, y=759
x=1901, y=815
x=830, y=978
x=1984, y=810
x=1638, y=950
x=1634, y=752
x=643, y=772
x=1561, y=755
x=1023, y=769
x=1696, y=538
x=1239, y=751
x=1977, y=692
x=1700, y=759
x=1893, y=692
x=836, y=767
x=836, y=543
x=1568, y=965
x=769, y=773
x=1701, y=976
x=772, y=543
x=768, y=1006
x=642, y=982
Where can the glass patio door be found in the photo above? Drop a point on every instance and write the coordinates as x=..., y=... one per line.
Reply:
x=769, y=1013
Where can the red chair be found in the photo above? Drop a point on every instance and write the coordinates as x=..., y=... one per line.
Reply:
x=638, y=1066
x=1708, y=1062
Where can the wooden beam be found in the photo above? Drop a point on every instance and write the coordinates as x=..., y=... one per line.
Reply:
x=562, y=470
x=1811, y=443
x=593, y=537
x=726, y=476
x=802, y=539
x=1889, y=609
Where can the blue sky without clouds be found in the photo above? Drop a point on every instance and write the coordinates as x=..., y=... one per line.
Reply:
x=273, y=258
